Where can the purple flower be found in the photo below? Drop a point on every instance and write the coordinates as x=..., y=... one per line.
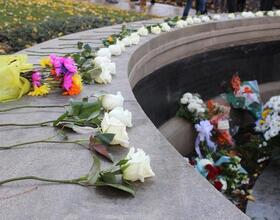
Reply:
x=67, y=81
x=69, y=64
x=36, y=79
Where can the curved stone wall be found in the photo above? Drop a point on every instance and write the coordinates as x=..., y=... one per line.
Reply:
x=176, y=192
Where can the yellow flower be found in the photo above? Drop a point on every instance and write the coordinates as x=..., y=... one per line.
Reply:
x=265, y=113
x=40, y=91
x=45, y=62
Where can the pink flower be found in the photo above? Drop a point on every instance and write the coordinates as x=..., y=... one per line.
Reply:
x=69, y=64
x=67, y=81
x=36, y=79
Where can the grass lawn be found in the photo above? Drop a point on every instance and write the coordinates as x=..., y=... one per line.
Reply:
x=25, y=23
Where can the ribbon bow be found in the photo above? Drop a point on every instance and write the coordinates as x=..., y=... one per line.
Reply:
x=204, y=129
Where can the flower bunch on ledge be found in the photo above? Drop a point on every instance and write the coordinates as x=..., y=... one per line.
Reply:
x=105, y=120
x=228, y=155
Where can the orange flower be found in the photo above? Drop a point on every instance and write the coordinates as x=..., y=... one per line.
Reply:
x=247, y=90
x=235, y=83
x=76, y=87
x=211, y=106
x=224, y=138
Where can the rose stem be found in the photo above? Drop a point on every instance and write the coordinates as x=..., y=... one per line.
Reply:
x=72, y=181
x=78, y=142
x=27, y=125
x=33, y=106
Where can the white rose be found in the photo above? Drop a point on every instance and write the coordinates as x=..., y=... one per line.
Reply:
x=114, y=126
x=216, y=17
x=260, y=14
x=267, y=136
x=192, y=107
x=98, y=61
x=121, y=44
x=205, y=18
x=180, y=24
x=138, y=166
x=143, y=31
x=270, y=13
x=277, y=13
x=197, y=20
x=115, y=49
x=104, y=52
x=231, y=15
x=165, y=27
x=190, y=20
x=135, y=38
x=104, y=78
x=111, y=101
x=127, y=41
x=156, y=30
x=122, y=115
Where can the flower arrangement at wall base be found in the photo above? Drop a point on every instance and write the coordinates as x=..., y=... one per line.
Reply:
x=229, y=156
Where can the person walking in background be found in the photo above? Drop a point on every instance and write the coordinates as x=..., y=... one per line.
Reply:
x=231, y=6
x=200, y=7
x=240, y=5
x=219, y=5
x=266, y=5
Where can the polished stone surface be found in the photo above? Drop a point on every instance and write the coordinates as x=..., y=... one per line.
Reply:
x=203, y=74
x=267, y=193
x=176, y=192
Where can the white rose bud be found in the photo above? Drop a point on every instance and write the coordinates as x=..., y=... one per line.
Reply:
x=216, y=17
x=104, y=52
x=143, y=31
x=165, y=27
x=115, y=49
x=259, y=14
x=190, y=20
x=270, y=13
x=110, y=101
x=98, y=61
x=156, y=30
x=114, y=126
x=121, y=44
x=205, y=18
x=135, y=38
x=231, y=15
x=104, y=78
x=122, y=115
x=277, y=13
x=138, y=166
x=180, y=24
x=197, y=20
x=127, y=41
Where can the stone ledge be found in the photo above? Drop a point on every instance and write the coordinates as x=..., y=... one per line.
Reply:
x=177, y=191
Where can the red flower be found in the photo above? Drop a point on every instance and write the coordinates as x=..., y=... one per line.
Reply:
x=213, y=171
x=218, y=185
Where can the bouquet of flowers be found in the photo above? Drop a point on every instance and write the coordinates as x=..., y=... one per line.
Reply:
x=269, y=124
x=19, y=77
x=245, y=95
x=192, y=108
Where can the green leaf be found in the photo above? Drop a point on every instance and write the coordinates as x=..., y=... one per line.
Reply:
x=117, y=186
x=105, y=138
x=60, y=118
x=108, y=177
x=94, y=171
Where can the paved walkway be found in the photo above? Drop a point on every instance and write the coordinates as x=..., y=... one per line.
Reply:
x=156, y=9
